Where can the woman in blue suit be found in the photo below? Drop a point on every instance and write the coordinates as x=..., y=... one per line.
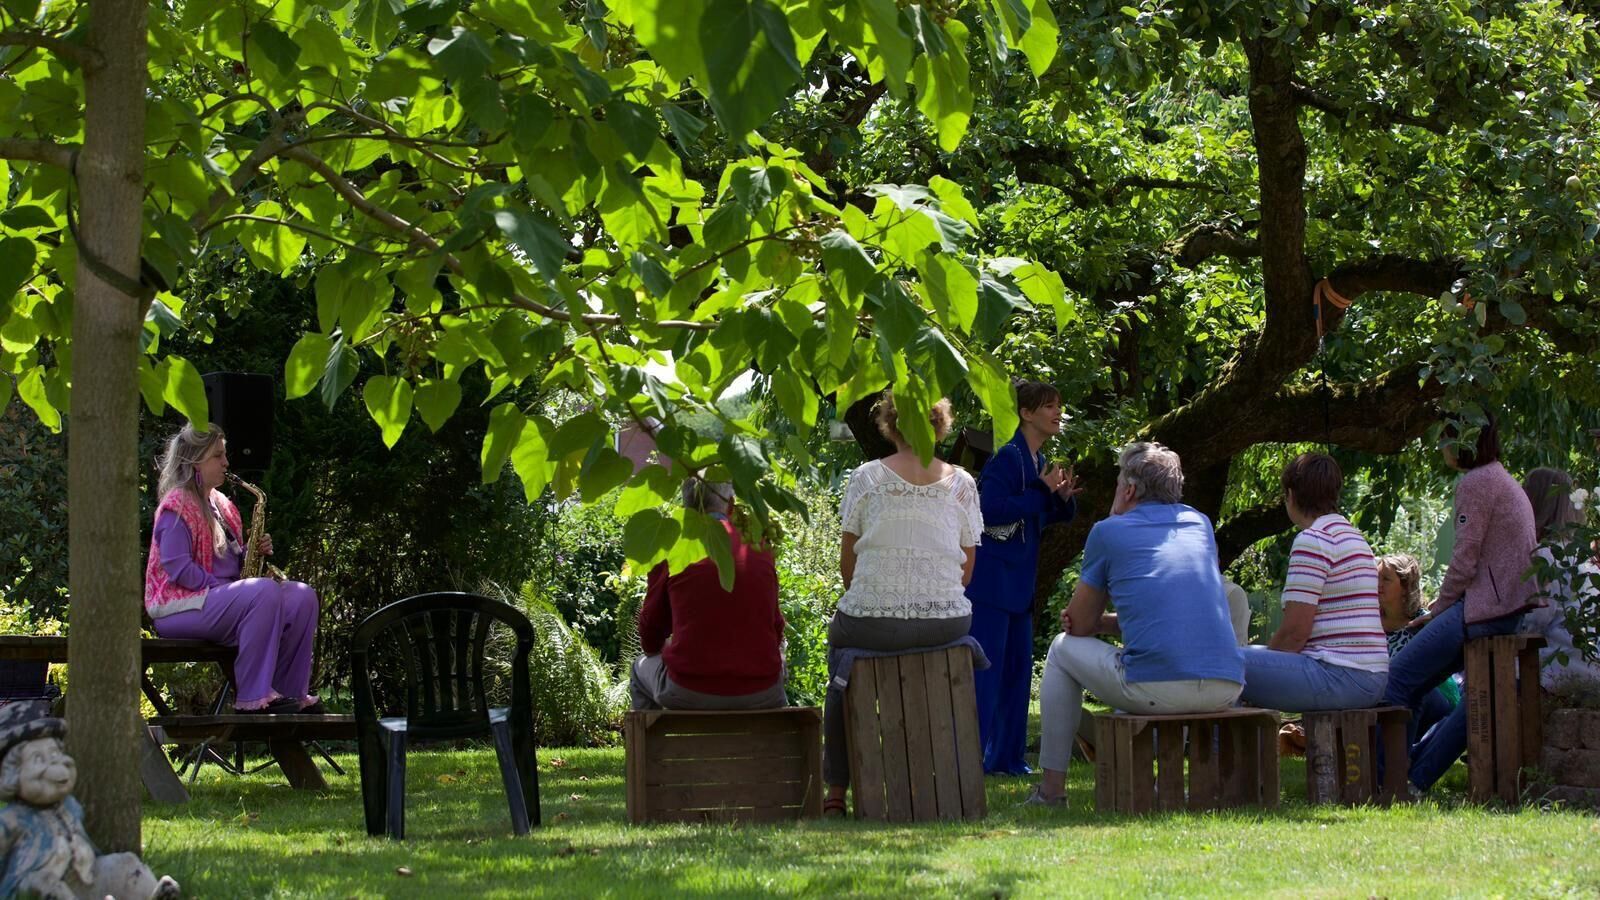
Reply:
x=1020, y=493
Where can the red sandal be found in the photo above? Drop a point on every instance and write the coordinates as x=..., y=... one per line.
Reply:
x=833, y=808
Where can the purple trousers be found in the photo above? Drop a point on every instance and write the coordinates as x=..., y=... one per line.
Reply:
x=272, y=623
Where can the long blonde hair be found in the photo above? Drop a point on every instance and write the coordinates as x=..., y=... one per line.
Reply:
x=1406, y=568
x=178, y=468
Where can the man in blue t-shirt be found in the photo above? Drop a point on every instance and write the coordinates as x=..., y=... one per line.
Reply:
x=1155, y=560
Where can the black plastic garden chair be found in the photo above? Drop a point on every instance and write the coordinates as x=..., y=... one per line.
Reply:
x=431, y=648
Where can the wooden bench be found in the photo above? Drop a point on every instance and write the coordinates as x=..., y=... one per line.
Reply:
x=1232, y=756
x=284, y=735
x=911, y=728
x=724, y=766
x=1504, y=723
x=1342, y=755
x=152, y=651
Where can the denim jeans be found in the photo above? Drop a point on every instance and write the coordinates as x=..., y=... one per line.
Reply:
x=1436, y=653
x=1274, y=679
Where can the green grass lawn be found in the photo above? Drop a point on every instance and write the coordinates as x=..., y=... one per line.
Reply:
x=254, y=837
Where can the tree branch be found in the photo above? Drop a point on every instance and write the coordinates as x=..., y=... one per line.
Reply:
x=84, y=57
x=1381, y=116
x=420, y=238
x=1244, y=529
x=1205, y=241
x=48, y=152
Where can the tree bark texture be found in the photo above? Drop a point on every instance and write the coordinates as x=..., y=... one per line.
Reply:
x=103, y=437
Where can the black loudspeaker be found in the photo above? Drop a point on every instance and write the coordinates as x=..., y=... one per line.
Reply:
x=241, y=404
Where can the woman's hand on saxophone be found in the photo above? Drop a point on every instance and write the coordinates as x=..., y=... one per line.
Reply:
x=264, y=546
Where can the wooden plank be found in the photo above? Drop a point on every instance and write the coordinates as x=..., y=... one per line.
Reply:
x=1480, y=731
x=1203, y=776
x=811, y=740
x=714, y=796
x=1507, y=741
x=1322, y=757
x=1169, y=766
x=1240, y=781
x=765, y=721
x=915, y=685
x=1392, y=722
x=969, y=749
x=1234, y=712
x=942, y=737
x=635, y=743
x=155, y=771
x=892, y=726
x=1105, y=764
x=301, y=772
x=1357, y=775
x=727, y=815
x=864, y=741
x=1142, y=793
x=774, y=745
x=1122, y=749
x=1267, y=763
x=1530, y=712
x=720, y=771
x=191, y=729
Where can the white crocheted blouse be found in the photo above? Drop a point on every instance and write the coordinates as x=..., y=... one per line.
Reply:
x=910, y=543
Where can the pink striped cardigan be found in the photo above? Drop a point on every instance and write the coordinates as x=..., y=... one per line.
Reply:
x=163, y=596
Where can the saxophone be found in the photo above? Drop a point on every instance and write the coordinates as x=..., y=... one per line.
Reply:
x=258, y=526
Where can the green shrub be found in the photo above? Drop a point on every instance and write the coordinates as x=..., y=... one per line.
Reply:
x=578, y=698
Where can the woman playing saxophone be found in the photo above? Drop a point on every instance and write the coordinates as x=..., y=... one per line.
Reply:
x=193, y=588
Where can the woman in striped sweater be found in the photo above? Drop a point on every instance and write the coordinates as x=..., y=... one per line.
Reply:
x=1329, y=652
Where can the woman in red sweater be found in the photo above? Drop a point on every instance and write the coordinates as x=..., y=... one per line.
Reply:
x=704, y=647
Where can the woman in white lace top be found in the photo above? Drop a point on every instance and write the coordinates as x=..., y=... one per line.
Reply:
x=909, y=535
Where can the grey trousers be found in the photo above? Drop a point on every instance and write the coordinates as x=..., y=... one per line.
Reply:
x=874, y=634
x=652, y=689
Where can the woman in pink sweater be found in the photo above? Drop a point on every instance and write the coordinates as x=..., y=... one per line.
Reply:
x=1483, y=594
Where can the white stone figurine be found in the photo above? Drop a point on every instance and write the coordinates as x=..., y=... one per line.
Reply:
x=44, y=851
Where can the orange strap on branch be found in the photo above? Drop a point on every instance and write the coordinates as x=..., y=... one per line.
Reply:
x=1324, y=291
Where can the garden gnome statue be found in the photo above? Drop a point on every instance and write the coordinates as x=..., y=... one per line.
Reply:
x=44, y=851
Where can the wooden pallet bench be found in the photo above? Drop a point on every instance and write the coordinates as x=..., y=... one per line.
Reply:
x=1232, y=760
x=1342, y=755
x=1504, y=720
x=724, y=766
x=911, y=727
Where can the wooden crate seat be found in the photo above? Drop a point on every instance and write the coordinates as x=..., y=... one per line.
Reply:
x=1504, y=724
x=911, y=726
x=1342, y=755
x=1232, y=761
x=725, y=766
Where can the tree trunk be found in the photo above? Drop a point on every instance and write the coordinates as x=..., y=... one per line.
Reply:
x=103, y=440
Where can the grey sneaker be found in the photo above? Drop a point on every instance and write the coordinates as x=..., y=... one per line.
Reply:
x=1037, y=799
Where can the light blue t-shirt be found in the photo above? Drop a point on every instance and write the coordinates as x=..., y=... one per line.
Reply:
x=1158, y=562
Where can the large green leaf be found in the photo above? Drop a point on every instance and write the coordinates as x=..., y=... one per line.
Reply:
x=16, y=267
x=274, y=247
x=847, y=264
x=601, y=472
x=944, y=86
x=183, y=389
x=388, y=401
x=532, y=460
x=32, y=391
x=436, y=400
x=796, y=398
x=652, y=487
x=995, y=391
x=339, y=371
x=534, y=234
x=505, y=428
x=304, y=366
x=751, y=64
x=648, y=536
x=1041, y=40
